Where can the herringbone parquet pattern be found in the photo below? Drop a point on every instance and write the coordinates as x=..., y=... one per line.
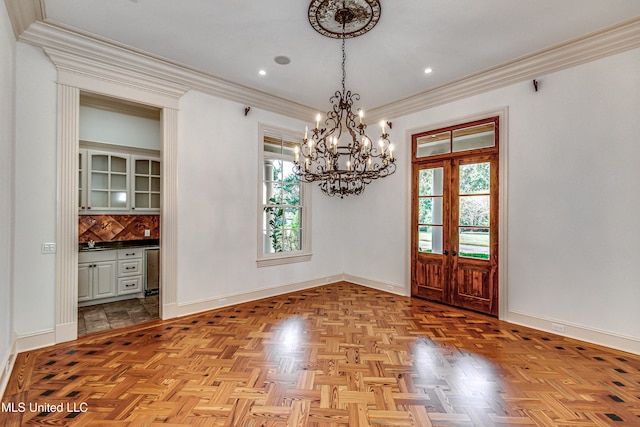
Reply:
x=338, y=355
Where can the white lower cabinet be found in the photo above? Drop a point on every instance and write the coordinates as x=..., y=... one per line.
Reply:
x=109, y=274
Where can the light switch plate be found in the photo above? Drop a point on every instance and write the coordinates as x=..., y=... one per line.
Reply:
x=147, y=233
x=48, y=248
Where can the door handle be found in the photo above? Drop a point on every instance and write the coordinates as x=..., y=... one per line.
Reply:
x=454, y=253
x=446, y=252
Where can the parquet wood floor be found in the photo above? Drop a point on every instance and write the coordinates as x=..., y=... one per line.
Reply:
x=337, y=355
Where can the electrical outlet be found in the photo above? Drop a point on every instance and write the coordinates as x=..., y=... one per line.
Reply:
x=557, y=327
x=222, y=301
x=390, y=287
x=147, y=233
x=48, y=248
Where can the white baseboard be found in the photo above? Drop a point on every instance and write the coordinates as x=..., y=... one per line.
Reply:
x=35, y=340
x=66, y=332
x=6, y=366
x=185, y=309
x=582, y=333
x=169, y=311
x=376, y=284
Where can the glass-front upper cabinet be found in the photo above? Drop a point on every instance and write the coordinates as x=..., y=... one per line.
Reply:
x=82, y=180
x=145, y=183
x=108, y=184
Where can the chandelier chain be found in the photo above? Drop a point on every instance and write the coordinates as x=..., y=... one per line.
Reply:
x=344, y=60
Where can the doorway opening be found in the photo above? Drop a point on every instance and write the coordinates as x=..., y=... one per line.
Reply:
x=455, y=201
x=119, y=200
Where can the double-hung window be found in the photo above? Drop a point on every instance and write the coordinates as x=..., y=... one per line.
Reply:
x=284, y=217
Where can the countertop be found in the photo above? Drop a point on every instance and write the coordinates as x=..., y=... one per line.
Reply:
x=127, y=244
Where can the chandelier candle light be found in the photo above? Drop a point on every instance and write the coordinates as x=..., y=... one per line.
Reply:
x=343, y=165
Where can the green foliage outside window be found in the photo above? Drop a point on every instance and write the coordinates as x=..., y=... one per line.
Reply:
x=283, y=208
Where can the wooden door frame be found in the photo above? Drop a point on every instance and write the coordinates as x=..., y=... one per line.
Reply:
x=502, y=113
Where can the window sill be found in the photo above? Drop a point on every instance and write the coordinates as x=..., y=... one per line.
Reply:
x=283, y=259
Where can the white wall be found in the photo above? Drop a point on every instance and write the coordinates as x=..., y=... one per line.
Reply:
x=217, y=199
x=116, y=128
x=374, y=237
x=573, y=198
x=35, y=164
x=7, y=144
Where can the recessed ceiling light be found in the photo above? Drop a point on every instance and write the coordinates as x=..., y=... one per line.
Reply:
x=262, y=72
x=282, y=60
x=428, y=70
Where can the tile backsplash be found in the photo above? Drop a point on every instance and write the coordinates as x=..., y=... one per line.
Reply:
x=114, y=228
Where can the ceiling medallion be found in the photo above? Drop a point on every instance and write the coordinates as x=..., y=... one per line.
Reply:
x=344, y=18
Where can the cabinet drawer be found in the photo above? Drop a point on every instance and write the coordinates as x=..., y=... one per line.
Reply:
x=129, y=285
x=96, y=256
x=129, y=254
x=129, y=267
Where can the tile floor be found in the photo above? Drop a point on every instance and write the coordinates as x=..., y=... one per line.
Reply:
x=102, y=317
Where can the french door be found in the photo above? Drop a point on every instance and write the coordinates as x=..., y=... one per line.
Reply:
x=455, y=231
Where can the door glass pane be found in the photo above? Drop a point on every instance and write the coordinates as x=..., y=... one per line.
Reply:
x=430, y=239
x=475, y=178
x=155, y=184
x=99, y=199
x=474, y=210
x=142, y=183
x=118, y=164
x=430, y=210
x=99, y=162
x=473, y=242
x=99, y=181
x=155, y=168
x=431, y=145
x=142, y=200
x=155, y=201
x=473, y=137
x=118, y=182
x=430, y=182
x=142, y=167
x=119, y=199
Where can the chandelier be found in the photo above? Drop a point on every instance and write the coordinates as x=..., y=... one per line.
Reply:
x=337, y=153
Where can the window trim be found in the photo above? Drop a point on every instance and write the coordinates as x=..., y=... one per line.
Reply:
x=280, y=258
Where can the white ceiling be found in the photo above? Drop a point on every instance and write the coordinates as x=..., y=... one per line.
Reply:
x=234, y=39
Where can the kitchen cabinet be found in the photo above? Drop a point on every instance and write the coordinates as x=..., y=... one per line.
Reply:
x=109, y=274
x=82, y=180
x=111, y=181
x=145, y=183
x=96, y=275
x=130, y=271
x=108, y=183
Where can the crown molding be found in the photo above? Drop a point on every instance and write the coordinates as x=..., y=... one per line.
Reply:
x=78, y=53
x=120, y=61
x=23, y=13
x=622, y=37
